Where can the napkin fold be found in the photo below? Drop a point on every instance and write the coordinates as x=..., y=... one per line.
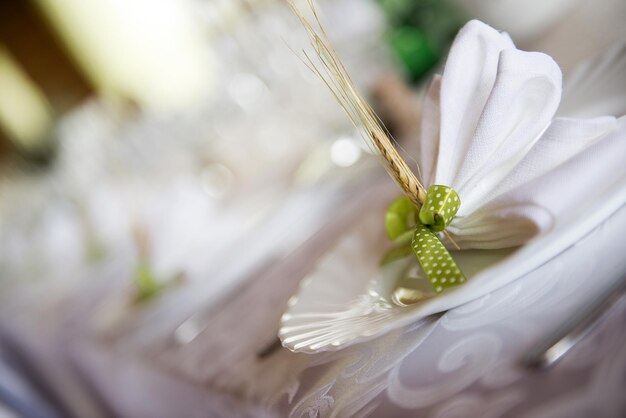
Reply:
x=489, y=131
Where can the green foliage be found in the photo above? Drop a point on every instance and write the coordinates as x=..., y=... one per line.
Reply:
x=420, y=32
x=146, y=284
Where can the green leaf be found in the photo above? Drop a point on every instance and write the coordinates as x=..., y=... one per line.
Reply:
x=146, y=284
x=414, y=50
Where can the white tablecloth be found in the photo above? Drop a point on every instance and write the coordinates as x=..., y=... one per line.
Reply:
x=465, y=362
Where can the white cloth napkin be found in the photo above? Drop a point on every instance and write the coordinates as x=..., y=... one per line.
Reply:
x=489, y=131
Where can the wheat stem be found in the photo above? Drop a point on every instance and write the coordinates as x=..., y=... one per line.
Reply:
x=336, y=77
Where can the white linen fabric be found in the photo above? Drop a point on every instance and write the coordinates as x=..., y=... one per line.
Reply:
x=463, y=363
x=489, y=131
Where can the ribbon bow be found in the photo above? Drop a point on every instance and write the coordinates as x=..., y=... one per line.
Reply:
x=405, y=225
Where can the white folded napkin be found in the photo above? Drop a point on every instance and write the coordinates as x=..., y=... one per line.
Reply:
x=489, y=131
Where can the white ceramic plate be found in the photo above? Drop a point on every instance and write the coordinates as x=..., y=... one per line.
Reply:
x=347, y=298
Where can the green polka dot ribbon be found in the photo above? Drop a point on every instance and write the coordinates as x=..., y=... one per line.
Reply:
x=404, y=224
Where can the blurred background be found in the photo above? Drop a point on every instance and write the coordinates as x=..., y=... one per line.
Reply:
x=155, y=155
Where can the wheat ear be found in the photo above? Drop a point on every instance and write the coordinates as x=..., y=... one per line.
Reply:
x=334, y=74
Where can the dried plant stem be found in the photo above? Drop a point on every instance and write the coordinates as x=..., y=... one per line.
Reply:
x=333, y=73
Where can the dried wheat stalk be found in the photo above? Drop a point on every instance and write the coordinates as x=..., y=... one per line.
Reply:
x=334, y=74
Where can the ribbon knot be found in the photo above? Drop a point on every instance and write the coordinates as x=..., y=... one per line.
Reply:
x=440, y=207
x=438, y=210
